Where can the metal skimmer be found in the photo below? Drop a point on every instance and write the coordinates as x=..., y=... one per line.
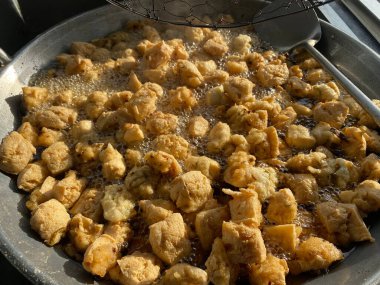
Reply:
x=212, y=13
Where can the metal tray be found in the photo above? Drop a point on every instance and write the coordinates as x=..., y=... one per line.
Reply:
x=368, y=15
x=51, y=266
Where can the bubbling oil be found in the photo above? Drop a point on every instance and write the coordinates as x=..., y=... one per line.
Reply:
x=111, y=81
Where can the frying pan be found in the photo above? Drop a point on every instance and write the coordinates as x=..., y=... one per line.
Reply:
x=51, y=266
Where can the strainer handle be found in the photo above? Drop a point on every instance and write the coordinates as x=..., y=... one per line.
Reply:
x=351, y=88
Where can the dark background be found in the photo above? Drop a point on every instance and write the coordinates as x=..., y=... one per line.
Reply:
x=38, y=15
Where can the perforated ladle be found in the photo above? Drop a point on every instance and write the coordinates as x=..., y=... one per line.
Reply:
x=303, y=30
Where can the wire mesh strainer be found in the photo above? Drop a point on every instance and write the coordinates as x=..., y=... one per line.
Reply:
x=212, y=13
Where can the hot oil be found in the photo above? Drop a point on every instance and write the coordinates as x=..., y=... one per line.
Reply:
x=111, y=81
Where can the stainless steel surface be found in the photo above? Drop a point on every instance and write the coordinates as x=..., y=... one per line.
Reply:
x=286, y=33
x=44, y=265
x=337, y=14
x=368, y=17
x=4, y=58
x=333, y=17
x=359, y=63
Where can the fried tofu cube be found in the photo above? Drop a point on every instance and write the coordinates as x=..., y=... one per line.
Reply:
x=184, y=274
x=161, y=123
x=132, y=158
x=306, y=163
x=182, y=98
x=157, y=210
x=57, y=117
x=317, y=75
x=194, y=34
x=189, y=74
x=198, y=126
x=344, y=172
x=272, y=75
x=242, y=173
x=241, y=44
x=101, y=255
x=15, y=153
x=132, y=133
x=50, y=221
x=272, y=271
x=343, y=223
x=326, y=92
x=175, y=145
x=163, y=162
x=245, y=207
x=372, y=139
x=304, y=187
x=243, y=244
x=111, y=120
x=95, y=104
x=113, y=164
x=190, y=191
x=323, y=134
x=310, y=63
x=136, y=269
x=254, y=60
x=29, y=132
x=209, y=167
x=299, y=137
x=89, y=204
x=366, y=196
x=120, y=232
x=236, y=67
x=82, y=48
x=141, y=181
x=264, y=143
x=215, y=47
x=238, y=89
x=68, y=190
x=354, y=145
x=365, y=118
x=206, y=67
x=240, y=170
x=218, y=137
x=283, y=236
x=239, y=117
x=299, y=88
x=83, y=231
x=282, y=208
x=159, y=54
x=48, y=137
x=370, y=167
x=34, y=97
x=57, y=158
x=169, y=239
x=238, y=143
x=219, y=269
x=142, y=106
x=314, y=254
x=41, y=194
x=32, y=176
x=118, y=204
x=75, y=64
x=216, y=97
x=82, y=130
x=333, y=113
x=208, y=225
